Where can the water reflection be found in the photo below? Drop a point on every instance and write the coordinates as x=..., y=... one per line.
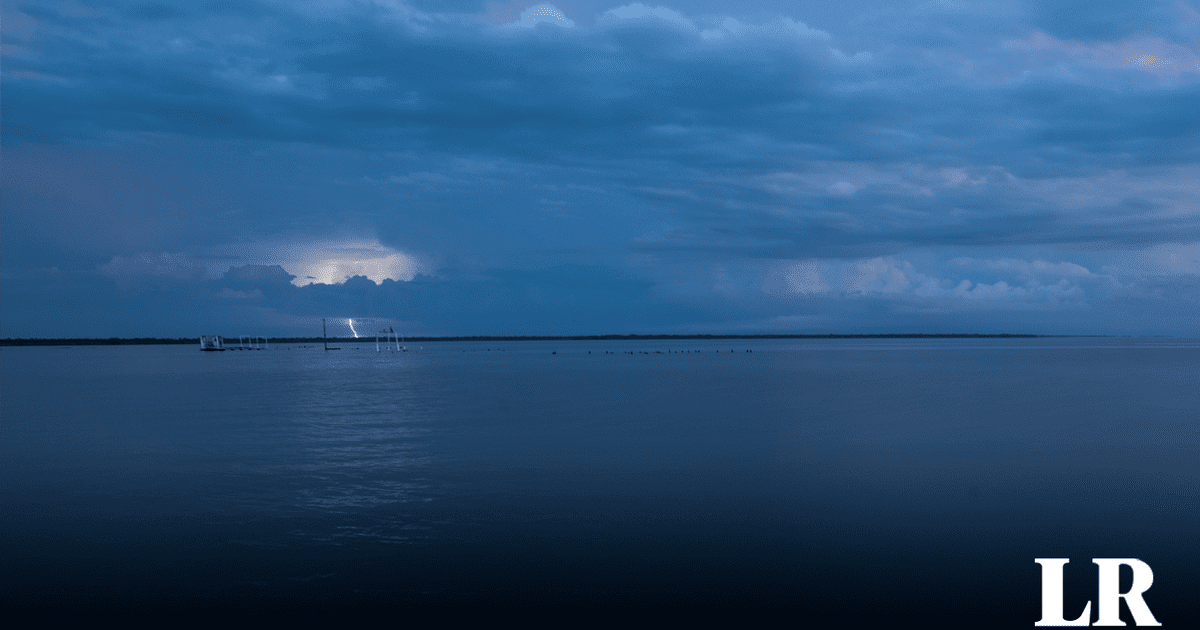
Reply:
x=818, y=457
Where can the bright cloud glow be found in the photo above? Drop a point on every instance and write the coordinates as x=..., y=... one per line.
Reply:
x=638, y=10
x=544, y=13
x=321, y=262
x=335, y=270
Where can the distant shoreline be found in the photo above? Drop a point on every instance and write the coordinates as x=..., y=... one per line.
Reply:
x=142, y=341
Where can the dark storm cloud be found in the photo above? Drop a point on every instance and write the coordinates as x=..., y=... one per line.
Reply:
x=154, y=11
x=369, y=77
x=516, y=165
x=258, y=274
x=1103, y=19
x=339, y=80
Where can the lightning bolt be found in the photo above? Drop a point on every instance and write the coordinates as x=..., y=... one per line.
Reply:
x=351, y=321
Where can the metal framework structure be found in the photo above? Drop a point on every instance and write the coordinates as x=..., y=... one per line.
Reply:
x=246, y=342
x=388, y=336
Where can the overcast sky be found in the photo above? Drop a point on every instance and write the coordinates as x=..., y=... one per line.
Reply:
x=462, y=167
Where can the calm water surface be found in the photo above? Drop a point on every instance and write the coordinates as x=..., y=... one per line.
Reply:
x=878, y=480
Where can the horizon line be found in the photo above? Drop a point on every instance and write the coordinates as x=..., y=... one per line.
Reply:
x=38, y=341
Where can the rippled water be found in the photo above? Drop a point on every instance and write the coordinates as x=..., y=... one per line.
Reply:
x=880, y=480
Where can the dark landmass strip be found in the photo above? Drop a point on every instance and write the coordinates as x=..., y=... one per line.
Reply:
x=232, y=341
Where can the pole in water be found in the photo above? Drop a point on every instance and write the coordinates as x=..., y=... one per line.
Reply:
x=323, y=337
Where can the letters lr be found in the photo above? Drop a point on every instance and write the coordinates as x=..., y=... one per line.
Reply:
x=1109, y=606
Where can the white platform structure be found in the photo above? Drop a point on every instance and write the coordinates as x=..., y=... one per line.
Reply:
x=212, y=343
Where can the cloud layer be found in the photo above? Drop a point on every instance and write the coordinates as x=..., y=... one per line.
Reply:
x=599, y=168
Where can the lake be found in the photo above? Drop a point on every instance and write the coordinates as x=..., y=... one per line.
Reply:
x=876, y=481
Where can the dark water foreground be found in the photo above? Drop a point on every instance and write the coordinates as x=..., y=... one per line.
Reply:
x=872, y=482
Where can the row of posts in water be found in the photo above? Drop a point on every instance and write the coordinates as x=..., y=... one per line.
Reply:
x=253, y=343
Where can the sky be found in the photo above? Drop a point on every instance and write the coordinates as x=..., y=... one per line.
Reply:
x=463, y=167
